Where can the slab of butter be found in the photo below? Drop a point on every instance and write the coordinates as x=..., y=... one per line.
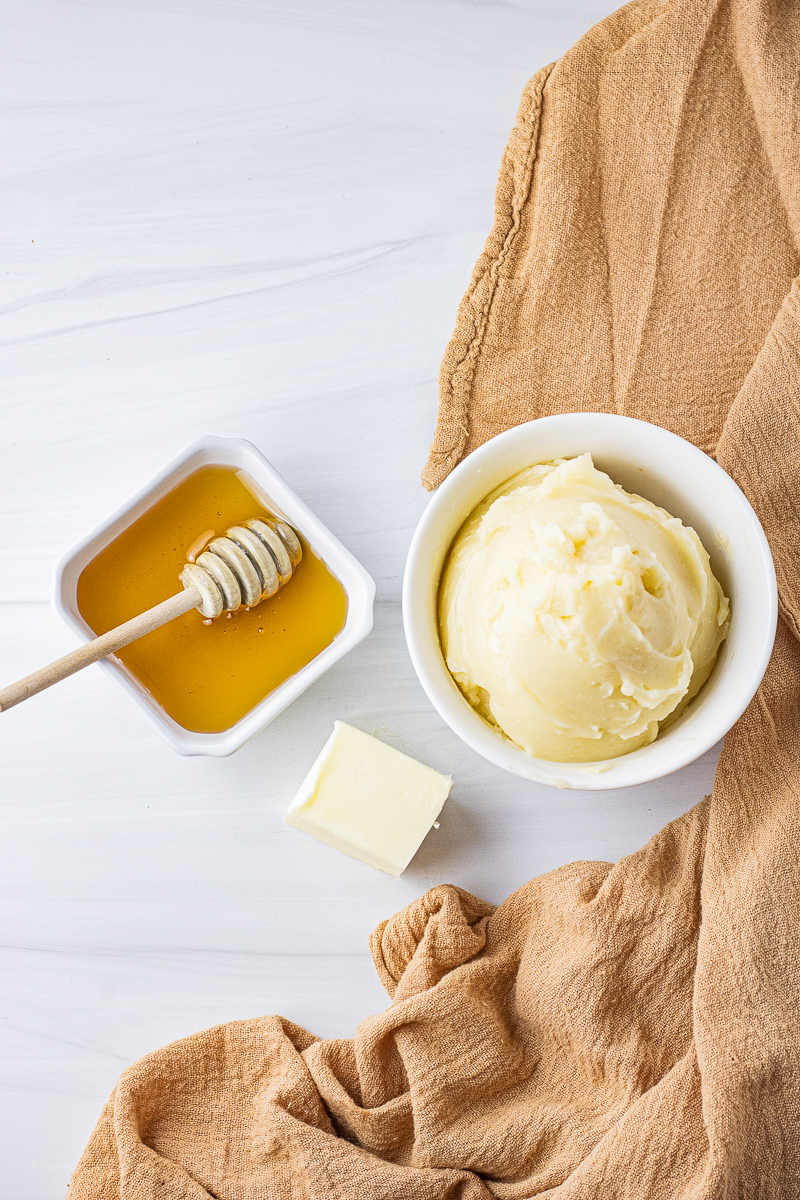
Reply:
x=368, y=800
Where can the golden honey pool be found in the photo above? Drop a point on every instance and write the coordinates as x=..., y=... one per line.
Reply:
x=209, y=686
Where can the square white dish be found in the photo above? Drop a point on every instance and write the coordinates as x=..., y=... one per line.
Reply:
x=241, y=455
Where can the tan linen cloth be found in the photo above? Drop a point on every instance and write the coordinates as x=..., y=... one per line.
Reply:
x=627, y=1032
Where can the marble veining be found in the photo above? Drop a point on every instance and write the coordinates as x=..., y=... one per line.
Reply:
x=250, y=218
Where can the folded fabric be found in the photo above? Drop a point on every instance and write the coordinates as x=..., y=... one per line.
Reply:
x=627, y=1032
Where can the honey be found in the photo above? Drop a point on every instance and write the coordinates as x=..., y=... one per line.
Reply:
x=207, y=676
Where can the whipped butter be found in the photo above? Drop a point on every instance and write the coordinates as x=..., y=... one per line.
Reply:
x=576, y=617
x=369, y=800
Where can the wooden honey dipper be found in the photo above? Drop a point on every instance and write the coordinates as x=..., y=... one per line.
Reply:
x=240, y=569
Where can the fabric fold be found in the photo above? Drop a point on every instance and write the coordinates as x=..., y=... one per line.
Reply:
x=760, y=448
x=438, y=932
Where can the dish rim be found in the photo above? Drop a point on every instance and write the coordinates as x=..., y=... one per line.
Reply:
x=689, y=737
x=242, y=455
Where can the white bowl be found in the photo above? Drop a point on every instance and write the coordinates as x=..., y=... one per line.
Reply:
x=225, y=452
x=672, y=474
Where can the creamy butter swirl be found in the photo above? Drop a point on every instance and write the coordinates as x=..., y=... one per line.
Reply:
x=577, y=617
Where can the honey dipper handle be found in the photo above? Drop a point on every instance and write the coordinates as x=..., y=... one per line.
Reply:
x=101, y=647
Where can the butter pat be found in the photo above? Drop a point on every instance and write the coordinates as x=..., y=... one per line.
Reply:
x=368, y=800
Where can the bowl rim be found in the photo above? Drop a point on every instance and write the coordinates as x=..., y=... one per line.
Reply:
x=242, y=454
x=628, y=770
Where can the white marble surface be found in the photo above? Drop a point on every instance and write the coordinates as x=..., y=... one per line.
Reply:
x=250, y=218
